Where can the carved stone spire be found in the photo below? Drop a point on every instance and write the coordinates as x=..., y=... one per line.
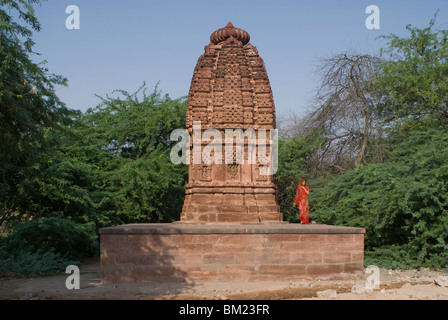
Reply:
x=230, y=90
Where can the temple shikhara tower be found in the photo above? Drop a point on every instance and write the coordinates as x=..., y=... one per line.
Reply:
x=230, y=93
x=230, y=227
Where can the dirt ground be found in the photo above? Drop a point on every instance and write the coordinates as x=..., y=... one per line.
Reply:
x=423, y=284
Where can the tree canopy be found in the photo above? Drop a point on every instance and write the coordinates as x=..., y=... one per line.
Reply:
x=414, y=79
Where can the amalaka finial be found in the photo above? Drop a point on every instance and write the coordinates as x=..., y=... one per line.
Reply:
x=230, y=31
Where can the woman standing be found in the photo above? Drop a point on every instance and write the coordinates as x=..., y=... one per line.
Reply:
x=301, y=200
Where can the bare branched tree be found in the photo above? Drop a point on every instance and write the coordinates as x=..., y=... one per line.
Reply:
x=346, y=103
x=292, y=125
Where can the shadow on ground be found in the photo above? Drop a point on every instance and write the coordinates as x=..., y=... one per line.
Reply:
x=91, y=288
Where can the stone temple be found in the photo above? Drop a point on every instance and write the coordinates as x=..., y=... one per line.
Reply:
x=230, y=90
x=230, y=226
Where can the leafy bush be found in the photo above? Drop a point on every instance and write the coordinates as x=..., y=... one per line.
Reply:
x=45, y=246
x=32, y=264
x=66, y=238
x=403, y=203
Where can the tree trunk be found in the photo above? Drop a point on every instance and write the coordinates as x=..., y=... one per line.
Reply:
x=365, y=138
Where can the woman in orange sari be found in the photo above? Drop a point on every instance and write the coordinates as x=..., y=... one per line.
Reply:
x=301, y=200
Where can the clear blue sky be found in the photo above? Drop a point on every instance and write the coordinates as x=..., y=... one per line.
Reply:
x=121, y=43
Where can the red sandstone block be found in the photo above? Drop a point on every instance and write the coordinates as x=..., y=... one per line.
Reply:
x=237, y=198
x=116, y=248
x=201, y=272
x=305, y=257
x=193, y=260
x=237, y=193
x=153, y=239
x=271, y=217
x=251, y=203
x=181, y=238
x=114, y=239
x=202, y=198
x=256, y=257
x=312, y=238
x=177, y=260
x=281, y=258
x=283, y=270
x=203, y=209
x=244, y=258
x=336, y=257
x=230, y=217
x=189, y=208
x=138, y=259
x=338, y=238
x=233, y=272
x=187, y=199
x=302, y=247
x=252, y=209
x=229, y=208
x=337, y=247
x=324, y=269
x=268, y=208
x=357, y=256
x=202, y=217
x=187, y=216
x=357, y=246
x=206, y=238
x=218, y=259
x=272, y=246
x=232, y=247
x=265, y=198
x=212, y=216
x=284, y=237
x=189, y=248
x=107, y=259
x=243, y=238
x=354, y=267
x=144, y=244
x=107, y=238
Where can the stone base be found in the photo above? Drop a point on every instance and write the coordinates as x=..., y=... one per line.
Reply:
x=230, y=252
x=228, y=205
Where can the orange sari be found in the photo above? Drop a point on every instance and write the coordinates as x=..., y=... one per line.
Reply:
x=302, y=201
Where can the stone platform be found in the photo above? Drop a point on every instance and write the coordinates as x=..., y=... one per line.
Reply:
x=229, y=252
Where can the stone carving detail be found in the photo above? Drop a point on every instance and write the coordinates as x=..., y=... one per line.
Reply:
x=206, y=173
x=232, y=170
x=259, y=176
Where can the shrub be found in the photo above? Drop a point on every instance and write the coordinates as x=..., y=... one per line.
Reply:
x=32, y=264
x=45, y=246
x=403, y=203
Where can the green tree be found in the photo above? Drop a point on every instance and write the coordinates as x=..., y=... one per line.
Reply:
x=414, y=80
x=27, y=91
x=28, y=103
x=144, y=185
x=112, y=164
x=402, y=203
